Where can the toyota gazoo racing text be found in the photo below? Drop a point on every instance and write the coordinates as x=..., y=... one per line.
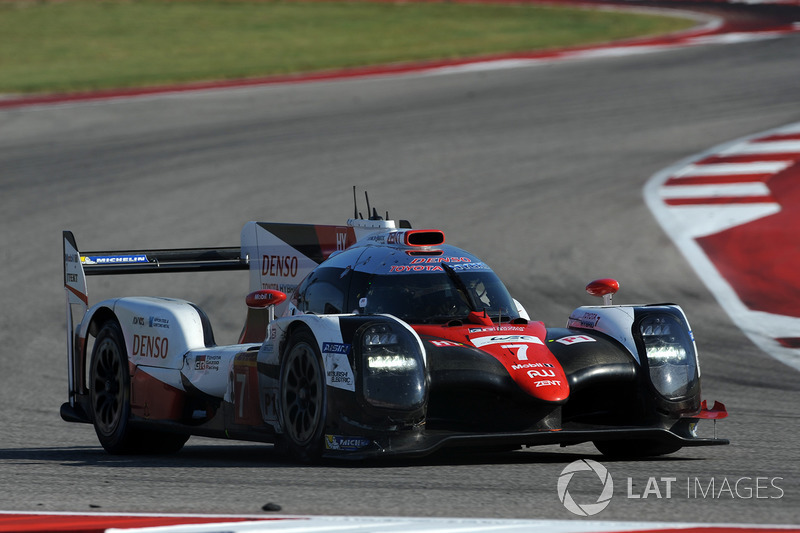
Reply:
x=390, y=342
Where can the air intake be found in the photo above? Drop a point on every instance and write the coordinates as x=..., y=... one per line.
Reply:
x=424, y=237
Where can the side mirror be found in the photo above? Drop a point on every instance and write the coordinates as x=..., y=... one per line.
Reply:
x=264, y=298
x=605, y=287
x=255, y=326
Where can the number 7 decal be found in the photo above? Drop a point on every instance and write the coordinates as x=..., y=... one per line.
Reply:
x=522, y=350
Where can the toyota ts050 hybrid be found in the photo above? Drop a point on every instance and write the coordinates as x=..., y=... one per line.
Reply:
x=390, y=342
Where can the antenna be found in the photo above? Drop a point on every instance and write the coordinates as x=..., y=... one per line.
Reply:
x=355, y=203
x=367, y=197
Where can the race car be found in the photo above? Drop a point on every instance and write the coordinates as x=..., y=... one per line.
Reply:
x=372, y=339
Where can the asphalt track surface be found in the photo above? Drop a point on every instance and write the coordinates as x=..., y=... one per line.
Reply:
x=538, y=170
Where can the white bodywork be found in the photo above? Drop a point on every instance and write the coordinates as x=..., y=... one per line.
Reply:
x=616, y=321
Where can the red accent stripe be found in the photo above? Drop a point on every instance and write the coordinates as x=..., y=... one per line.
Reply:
x=748, y=158
x=84, y=298
x=99, y=523
x=721, y=529
x=780, y=137
x=721, y=200
x=717, y=180
x=789, y=342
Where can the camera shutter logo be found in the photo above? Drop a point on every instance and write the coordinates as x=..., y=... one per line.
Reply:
x=586, y=509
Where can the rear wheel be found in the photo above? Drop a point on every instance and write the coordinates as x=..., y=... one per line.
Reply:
x=110, y=390
x=303, y=397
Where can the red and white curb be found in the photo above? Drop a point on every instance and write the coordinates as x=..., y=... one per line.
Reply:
x=151, y=523
x=734, y=212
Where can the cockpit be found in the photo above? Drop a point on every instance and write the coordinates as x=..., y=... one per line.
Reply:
x=434, y=297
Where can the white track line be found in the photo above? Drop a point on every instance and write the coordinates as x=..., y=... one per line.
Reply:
x=319, y=524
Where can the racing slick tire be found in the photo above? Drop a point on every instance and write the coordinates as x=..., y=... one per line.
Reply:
x=303, y=397
x=622, y=449
x=110, y=391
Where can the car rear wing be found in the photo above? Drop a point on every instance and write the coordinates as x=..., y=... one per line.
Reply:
x=78, y=265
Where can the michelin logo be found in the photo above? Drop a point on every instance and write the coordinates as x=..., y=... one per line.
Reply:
x=113, y=259
x=348, y=444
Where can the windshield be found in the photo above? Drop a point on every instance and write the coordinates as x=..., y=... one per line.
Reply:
x=437, y=297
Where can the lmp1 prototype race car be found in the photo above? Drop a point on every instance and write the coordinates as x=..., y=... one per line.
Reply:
x=390, y=342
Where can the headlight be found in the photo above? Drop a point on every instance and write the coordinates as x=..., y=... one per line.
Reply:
x=380, y=335
x=394, y=374
x=670, y=353
x=390, y=363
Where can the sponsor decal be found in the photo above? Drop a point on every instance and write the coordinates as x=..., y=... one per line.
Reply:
x=150, y=346
x=496, y=328
x=338, y=372
x=458, y=267
x=348, y=444
x=416, y=268
x=113, y=259
x=279, y=265
x=287, y=288
x=575, y=339
x=335, y=347
x=546, y=383
x=541, y=373
x=343, y=377
x=341, y=241
x=395, y=237
x=523, y=366
x=270, y=406
x=158, y=322
x=446, y=343
x=207, y=362
x=138, y=321
x=585, y=320
x=505, y=339
x=418, y=260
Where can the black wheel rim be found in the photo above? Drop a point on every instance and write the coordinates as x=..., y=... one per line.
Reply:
x=302, y=394
x=107, y=387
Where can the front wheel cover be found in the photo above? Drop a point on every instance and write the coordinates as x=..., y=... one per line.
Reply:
x=303, y=398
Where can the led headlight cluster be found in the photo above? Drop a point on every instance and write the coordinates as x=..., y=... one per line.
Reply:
x=670, y=354
x=391, y=363
x=393, y=374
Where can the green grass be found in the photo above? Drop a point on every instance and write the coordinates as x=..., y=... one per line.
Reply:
x=84, y=45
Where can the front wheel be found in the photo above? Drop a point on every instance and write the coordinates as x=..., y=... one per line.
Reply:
x=303, y=401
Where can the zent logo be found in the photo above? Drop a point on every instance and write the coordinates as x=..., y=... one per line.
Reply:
x=586, y=509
